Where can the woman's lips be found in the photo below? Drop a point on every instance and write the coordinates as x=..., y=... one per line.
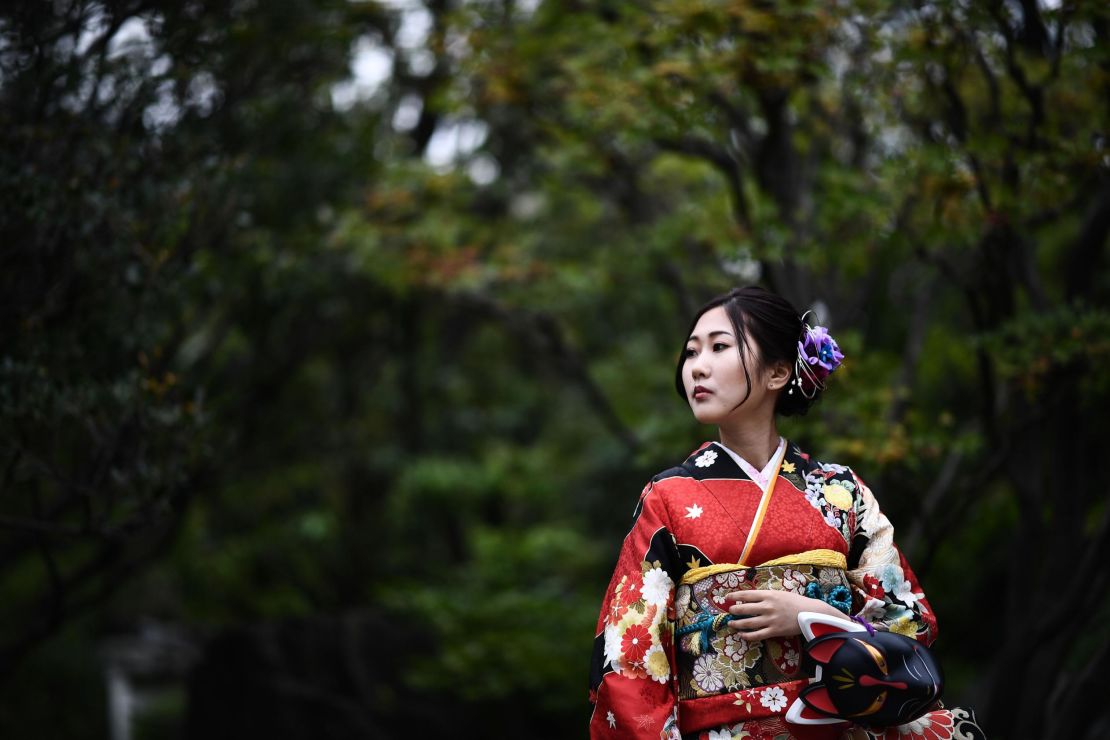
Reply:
x=700, y=393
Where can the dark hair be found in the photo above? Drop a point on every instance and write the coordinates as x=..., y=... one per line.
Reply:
x=773, y=324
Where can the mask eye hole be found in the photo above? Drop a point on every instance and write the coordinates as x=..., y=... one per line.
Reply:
x=876, y=656
x=875, y=705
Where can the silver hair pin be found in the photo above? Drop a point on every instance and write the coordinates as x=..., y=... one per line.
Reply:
x=802, y=367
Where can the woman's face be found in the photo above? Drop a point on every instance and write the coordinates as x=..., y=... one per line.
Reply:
x=713, y=375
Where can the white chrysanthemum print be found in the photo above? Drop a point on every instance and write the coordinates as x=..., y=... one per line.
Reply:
x=656, y=664
x=613, y=644
x=657, y=587
x=707, y=675
x=773, y=698
x=705, y=459
x=722, y=734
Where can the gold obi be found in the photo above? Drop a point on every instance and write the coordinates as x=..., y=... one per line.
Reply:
x=711, y=658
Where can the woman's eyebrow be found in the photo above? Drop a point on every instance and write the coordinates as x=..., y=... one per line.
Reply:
x=711, y=334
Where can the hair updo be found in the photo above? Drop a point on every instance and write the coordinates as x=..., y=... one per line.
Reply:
x=774, y=325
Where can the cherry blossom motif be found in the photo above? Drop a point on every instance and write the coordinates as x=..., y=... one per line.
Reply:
x=739, y=650
x=773, y=698
x=732, y=579
x=904, y=593
x=707, y=675
x=705, y=459
x=891, y=576
x=693, y=512
x=793, y=580
x=611, y=719
x=657, y=587
x=635, y=643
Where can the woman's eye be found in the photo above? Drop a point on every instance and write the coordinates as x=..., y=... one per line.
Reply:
x=719, y=346
x=689, y=352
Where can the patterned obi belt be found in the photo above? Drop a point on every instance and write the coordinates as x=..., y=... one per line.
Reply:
x=719, y=672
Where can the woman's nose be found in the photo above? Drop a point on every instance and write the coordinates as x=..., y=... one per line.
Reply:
x=697, y=366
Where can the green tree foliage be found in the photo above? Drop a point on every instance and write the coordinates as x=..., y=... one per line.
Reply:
x=286, y=351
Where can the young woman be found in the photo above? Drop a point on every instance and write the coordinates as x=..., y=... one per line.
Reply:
x=698, y=634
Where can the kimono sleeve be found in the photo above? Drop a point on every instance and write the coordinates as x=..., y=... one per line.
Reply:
x=885, y=590
x=632, y=682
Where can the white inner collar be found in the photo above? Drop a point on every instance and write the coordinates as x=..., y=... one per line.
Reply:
x=762, y=478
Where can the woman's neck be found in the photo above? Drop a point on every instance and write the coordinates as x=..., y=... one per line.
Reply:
x=753, y=442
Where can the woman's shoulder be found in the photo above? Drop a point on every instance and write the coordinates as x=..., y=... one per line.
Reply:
x=688, y=470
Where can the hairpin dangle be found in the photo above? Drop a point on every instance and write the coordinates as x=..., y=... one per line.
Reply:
x=818, y=356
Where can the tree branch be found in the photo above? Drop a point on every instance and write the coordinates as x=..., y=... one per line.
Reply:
x=722, y=161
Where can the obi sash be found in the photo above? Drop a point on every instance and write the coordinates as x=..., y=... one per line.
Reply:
x=721, y=676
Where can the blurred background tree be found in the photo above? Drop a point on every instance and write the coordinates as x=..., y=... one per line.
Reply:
x=337, y=338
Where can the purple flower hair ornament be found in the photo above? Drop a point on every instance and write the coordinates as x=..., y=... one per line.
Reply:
x=818, y=356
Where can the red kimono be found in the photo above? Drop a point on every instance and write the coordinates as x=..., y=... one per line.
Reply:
x=665, y=665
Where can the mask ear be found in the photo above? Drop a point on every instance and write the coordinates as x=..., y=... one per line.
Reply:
x=817, y=697
x=815, y=625
x=801, y=714
x=823, y=649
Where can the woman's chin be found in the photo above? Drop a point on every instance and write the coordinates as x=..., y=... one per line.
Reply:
x=706, y=416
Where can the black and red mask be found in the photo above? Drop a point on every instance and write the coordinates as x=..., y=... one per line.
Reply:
x=868, y=677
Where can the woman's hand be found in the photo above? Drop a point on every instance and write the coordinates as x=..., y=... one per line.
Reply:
x=772, y=613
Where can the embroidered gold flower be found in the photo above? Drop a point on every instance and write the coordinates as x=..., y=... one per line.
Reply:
x=656, y=664
x=905, y=626
x=838, y=496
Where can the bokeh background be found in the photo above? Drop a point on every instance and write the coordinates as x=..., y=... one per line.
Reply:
x=337, y=339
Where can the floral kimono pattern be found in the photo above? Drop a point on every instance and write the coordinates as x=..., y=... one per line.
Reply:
x=665, y=665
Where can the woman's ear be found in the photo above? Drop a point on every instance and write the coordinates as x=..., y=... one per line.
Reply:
x=778, y=375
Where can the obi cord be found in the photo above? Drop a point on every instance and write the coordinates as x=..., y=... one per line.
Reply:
x=838, y=597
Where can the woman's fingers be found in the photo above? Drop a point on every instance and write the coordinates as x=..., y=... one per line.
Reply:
x=765, y=614
x=747, y=624
x=745, y=608
x=757, y=635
